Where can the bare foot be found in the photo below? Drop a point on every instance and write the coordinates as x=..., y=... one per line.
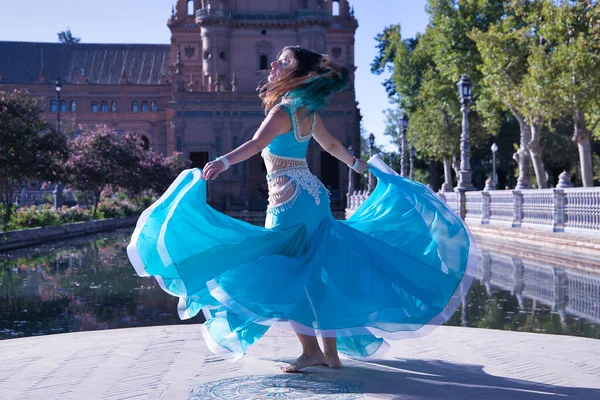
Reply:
x=306, y=361
x=333, y=361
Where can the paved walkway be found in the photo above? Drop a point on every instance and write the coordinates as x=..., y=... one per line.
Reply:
x=170, y=362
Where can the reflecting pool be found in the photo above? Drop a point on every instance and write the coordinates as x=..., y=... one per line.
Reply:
x=88, y=284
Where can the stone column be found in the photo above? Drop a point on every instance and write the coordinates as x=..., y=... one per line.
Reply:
x=58, y=191
x=517, y=208
x=558, y=203
x=558, y=210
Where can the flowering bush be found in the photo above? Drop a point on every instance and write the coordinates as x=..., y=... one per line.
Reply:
x=116, y=208
x=34, y=216
x=74, y=214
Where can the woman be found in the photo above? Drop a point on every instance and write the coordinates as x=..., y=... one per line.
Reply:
x=398, y=264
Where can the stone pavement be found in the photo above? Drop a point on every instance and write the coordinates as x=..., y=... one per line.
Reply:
x=170, y=362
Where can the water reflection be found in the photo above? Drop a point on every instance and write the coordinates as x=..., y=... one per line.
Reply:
x=78, y=286
x=88, y=284
x=519, y=294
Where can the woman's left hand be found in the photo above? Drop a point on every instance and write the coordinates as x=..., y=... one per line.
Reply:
x=362, y=166
x=213, y=169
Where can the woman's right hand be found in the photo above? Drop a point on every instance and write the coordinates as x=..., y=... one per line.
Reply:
x=212, y=169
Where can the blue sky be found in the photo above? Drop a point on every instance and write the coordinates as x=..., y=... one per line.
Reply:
x=136, y=21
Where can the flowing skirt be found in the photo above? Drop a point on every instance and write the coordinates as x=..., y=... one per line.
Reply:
x=397, y=268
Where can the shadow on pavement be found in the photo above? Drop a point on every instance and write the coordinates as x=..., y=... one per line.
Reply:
x=432, y=379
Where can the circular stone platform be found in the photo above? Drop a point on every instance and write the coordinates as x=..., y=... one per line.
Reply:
x=172, y=362
x=289, y=386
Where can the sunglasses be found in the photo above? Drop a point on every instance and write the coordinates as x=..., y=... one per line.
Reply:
x=283, y=63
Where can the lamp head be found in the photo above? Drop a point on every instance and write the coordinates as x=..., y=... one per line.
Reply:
x=404, y=121
x=465, y=88
x=371, y=139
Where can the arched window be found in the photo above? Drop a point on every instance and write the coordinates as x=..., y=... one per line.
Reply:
x=73, y=106
x=264, y=62
x=135, y=107
x=146, y=143
x=63, y=106
x=154, y=106
x=113, y=106
x=94, y=107
x=335, y=8
x=53, y=106
x=145, y=106
x=104, y=106
x=190, y=7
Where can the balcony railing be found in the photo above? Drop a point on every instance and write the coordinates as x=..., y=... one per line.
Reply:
x=312, y=14
x=214, y=14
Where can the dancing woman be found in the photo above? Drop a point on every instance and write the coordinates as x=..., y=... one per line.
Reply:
x=396, y=268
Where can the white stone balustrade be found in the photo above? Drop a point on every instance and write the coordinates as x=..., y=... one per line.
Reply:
x=575, y=210
x=581, y=208
x=36, y=197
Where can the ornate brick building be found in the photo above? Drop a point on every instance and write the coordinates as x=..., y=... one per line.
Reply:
x=198, y=94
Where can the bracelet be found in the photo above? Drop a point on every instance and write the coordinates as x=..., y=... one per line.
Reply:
x=225, y=162
x=356, y=163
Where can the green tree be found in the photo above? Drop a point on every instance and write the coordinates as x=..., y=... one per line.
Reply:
x=67, y=37
x=29, y=148
x=387, y=43
x=506, y=50
x=426, y=69
x=571, y=29
x=149, y=172
x=97, y=159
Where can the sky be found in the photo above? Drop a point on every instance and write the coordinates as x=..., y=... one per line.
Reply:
x=137, y=21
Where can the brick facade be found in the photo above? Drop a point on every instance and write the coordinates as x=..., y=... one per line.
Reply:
x=197, y=95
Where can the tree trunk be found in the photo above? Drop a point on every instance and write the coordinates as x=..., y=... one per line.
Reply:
x=535, y=150
x=434, y=178
x=96, y=201
x=522, y=155
x=581, y=136
x=7, y=201
x=448, y=174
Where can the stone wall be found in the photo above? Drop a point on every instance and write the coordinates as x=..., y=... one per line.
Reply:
x=34, y=236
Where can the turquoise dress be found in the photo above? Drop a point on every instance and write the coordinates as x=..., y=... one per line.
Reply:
x=397, y=268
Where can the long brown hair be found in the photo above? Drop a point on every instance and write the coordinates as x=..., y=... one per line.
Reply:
x=311, y=78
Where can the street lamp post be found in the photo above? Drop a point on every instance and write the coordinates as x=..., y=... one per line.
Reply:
x=58, y=88
x=371, y=149
x=350, y=180
x=494, y=175
x=411, y=174
x=403, y=129
x=58, y=188
x=465, y=90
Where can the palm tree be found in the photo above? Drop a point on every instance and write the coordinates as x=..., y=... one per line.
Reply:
x=67, y=37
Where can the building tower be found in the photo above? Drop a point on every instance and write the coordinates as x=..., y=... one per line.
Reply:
x=185, y=42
